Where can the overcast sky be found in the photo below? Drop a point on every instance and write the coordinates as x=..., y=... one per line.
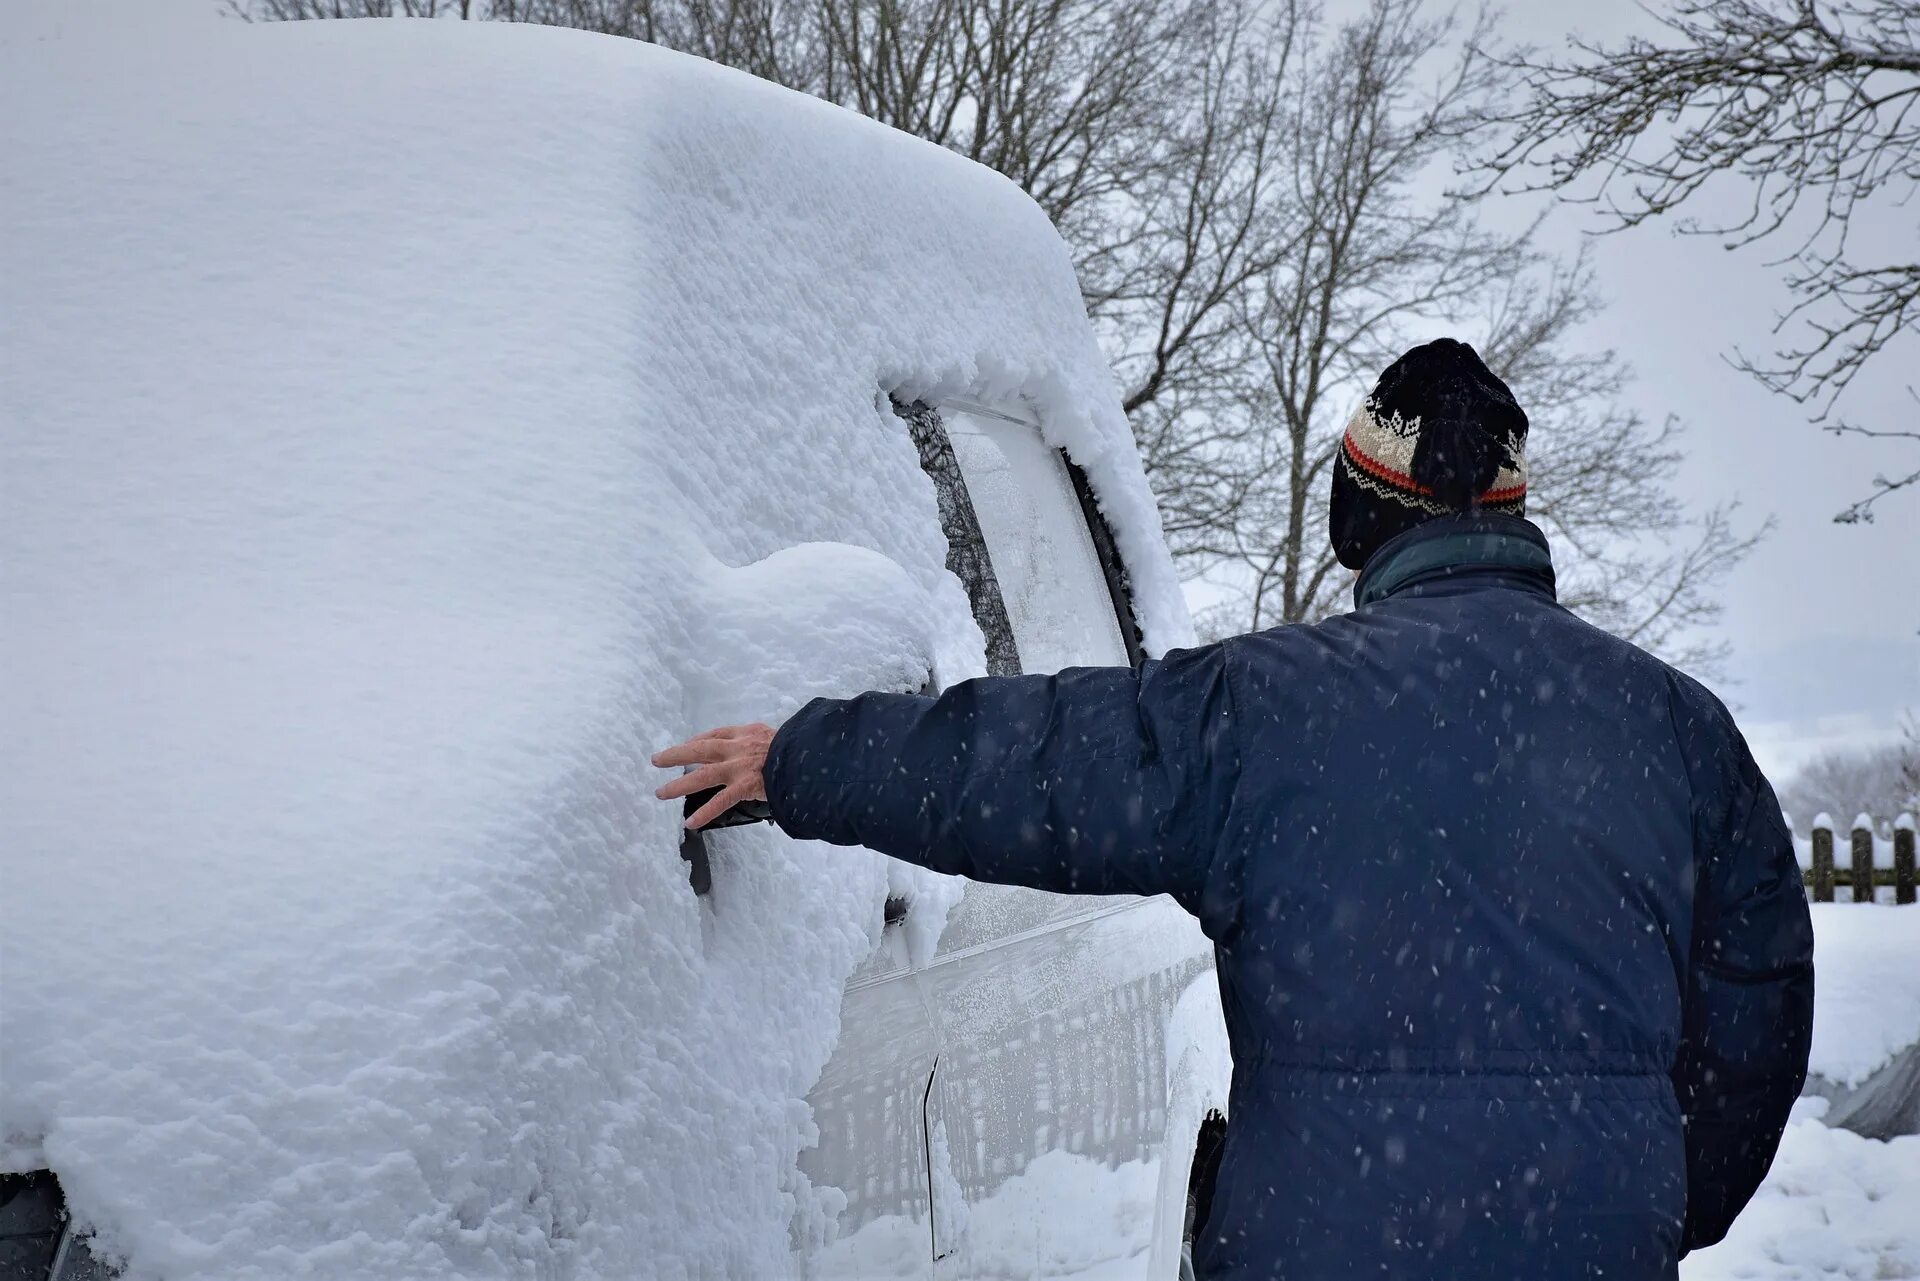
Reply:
x=1824, y=619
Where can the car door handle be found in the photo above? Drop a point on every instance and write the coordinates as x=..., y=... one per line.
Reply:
x=759, y=811
x=693, y=847
x=740, y=815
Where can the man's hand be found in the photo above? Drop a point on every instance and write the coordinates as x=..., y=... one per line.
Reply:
x=732, y=758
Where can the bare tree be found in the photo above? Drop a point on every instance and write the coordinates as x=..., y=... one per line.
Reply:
x=1246, y=190
x=290, y=10
x=1910, y=766
x=1881, y=782
x=1168, y=290
x=1629, y=558
x=1373, y=262
x=1367, y=261
x=1813, y=103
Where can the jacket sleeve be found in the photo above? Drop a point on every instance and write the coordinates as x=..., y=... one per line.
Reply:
x=1098, y=780
x=1748, y=1020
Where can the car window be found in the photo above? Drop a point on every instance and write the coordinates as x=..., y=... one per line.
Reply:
x=1020, y=519
x=967, y=556
x=1054, y=587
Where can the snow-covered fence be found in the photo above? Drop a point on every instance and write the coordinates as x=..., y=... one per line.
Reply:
x=1872, y=861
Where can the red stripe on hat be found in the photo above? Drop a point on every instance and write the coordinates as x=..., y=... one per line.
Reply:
x=1393, y=476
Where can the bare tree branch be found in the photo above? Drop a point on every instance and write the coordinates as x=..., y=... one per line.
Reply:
x=1242, y=184
x=1815, y=104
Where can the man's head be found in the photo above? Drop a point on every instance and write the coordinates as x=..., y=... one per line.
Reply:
x=1438, y=435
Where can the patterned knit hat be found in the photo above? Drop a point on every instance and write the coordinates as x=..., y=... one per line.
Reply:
x=1439, y=435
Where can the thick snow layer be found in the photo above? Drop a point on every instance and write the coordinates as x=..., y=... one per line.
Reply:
x=407, y=428
x=1835, y=1207
x=1064, y=1216
x=1866, y=960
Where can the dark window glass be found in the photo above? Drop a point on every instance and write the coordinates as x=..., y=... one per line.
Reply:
x=1026, y=537
x=967, y=555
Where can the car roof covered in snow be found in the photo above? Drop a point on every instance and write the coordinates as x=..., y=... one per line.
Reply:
x=409, y=427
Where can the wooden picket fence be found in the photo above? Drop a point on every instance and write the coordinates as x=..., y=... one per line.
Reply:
x=1870, y=861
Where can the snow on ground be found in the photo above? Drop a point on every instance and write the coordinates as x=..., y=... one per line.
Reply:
x=1064, y=1217
x=1866, y=960
x=1835, y=1207
x=410, y=426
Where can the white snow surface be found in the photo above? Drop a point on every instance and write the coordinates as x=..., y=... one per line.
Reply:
x=1866, y=1009
x=1834, y=1207
x=1065, y=1216
x=405, y=428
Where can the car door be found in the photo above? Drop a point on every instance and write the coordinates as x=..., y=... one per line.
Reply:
x=1032, y=1042
x=1049, y=1102
x=872, y=1105
x=870, y=1110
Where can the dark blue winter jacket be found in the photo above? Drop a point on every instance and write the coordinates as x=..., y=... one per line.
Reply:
x=1515, y=958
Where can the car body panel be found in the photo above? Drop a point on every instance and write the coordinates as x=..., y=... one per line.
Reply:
x=1050, y=1093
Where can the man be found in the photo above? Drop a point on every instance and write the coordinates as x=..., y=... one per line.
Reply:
x=1516, y=963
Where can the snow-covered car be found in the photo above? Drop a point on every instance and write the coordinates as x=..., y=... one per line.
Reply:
x=410, y=426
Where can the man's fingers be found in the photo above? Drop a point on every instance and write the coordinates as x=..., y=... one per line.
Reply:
x=715, y=807
x=696, y=781
x=723, y=755
x=721, y=732
x=697, y=751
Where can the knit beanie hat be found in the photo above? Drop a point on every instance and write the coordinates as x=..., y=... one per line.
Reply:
x=1439, y=435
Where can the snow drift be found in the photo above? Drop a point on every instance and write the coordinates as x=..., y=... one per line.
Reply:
x=1835, y=1207
x=1867, y=1011
x=1865, y=1059
x=407, y=428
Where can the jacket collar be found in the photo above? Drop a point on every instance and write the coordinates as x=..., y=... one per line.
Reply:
x=1510, y=551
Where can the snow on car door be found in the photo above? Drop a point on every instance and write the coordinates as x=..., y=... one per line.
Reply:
x=871, y=1105
x=1048, y=1098
x=1023, y=1063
